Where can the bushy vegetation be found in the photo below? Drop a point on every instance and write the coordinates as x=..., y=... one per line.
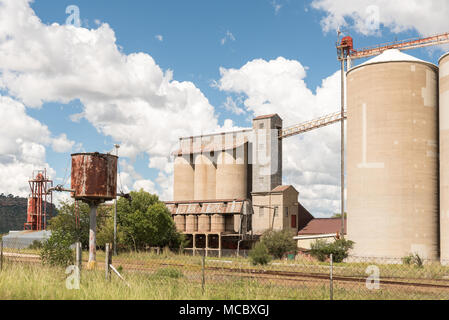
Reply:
x=56, y=250
x=66, y=223
x=413, y=259
x=259, y=254
x=35, y=245
x=339, y=249
x=145, y=221
x=279, y=243
x=169, y=273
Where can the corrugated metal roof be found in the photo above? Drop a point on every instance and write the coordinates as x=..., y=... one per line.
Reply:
x=281, y=188
x=211, y=207
x=322, y=226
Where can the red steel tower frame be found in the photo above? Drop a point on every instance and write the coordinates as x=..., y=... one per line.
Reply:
x=37, y=202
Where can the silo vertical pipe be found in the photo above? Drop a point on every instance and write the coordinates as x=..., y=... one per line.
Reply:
x=444, y=157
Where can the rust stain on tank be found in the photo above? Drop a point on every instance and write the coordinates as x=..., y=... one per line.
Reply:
x=94, y=176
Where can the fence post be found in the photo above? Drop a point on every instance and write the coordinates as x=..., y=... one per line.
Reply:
x=107, y=261
x=331, y=286
x=203, y=267
x=1, y=254
x=78, y=255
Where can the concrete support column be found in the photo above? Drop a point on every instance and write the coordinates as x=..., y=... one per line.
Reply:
x=92, y=236
x=219, y=245
x=207, y=244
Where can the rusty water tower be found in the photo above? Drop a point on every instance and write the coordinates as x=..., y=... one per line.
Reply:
x=93, y=181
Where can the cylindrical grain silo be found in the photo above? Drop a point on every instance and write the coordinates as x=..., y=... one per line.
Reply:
x=392, y=157
x=218, y=223
x=444, y=158
x=204, y=223
x=191, y=223
x=180, y=222
x=183, y=178
x=232, y=181
x=204, y=181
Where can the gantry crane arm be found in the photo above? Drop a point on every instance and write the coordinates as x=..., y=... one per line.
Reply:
x=346, y=49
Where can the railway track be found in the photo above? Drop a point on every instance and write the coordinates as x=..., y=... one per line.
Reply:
x=301, y=276
x=276, y=275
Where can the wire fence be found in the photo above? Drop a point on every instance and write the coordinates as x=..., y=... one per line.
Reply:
x=197, y=274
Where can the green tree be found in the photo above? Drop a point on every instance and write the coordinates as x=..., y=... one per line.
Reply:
x=338, y=215
x=279, y=243
x=56, y=250
x=146, y=221
x=65, y=221
x=105, y=233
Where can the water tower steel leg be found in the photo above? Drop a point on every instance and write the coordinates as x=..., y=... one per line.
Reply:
x=92, y=235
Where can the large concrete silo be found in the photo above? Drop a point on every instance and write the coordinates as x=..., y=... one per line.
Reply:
x=183, y=178
x=392, y=157
x=232, y=181
x=444, y=158
x=205, y=177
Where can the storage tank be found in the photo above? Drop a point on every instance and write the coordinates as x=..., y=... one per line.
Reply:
x=204, y=223
x=392, y=157
x=204, y=177
x=191, y=223
x=444, y=158
x=183, y=178
x=218, y=223
x=180, y=222
x=232, y=175
x=94, y=176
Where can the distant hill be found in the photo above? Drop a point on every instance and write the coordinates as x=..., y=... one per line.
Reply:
x=13, y=213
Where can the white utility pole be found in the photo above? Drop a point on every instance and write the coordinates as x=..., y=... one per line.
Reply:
x=115, y=210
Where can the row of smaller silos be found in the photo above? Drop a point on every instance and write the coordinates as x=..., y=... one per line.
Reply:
x=215, y=223
x=211, y=175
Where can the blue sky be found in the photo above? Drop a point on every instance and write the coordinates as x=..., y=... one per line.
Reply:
x=193, y=48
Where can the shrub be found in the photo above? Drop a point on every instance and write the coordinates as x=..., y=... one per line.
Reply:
x=56, y=250
x=169, y=273
x=259, y=254
x=35, y=245
x=279, y=243
x=339, y=249
x=414, y=259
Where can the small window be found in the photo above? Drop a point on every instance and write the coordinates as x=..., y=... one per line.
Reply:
x=276, y=211
x=293, y=220
x=261, y=211
x=261, y=125
x=286, y=212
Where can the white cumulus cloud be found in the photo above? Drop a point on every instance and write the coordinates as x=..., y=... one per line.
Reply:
x=127, y=97
x=426, y=17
